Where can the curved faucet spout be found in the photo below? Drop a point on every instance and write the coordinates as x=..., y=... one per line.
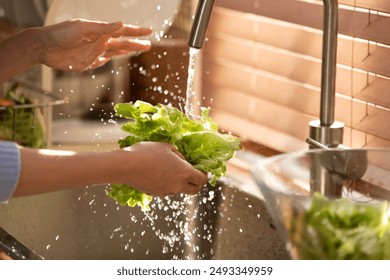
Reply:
x=200, y=24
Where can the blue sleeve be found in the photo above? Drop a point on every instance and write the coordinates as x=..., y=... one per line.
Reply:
x=9, y=169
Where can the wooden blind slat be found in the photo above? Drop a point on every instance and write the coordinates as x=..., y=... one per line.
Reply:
x=377, y=92
x=375, y=61
x=372, y=120
x=378, y=142
x=377, y=5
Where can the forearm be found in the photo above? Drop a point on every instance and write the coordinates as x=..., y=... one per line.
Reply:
x=47, y=171
x=153, y=168
x=18, y=52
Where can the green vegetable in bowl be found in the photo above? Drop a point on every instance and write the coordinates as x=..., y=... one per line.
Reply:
x=197, y=140
x=342, y=229
x=20, y=121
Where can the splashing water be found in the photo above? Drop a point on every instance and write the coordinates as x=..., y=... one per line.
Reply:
x=180, y=238
x=190, y=94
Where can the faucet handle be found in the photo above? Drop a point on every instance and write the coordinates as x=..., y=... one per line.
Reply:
x=315, y=144
x=350, y=163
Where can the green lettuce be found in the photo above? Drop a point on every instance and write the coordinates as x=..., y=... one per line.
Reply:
x=199, y=141
x=22, y=125
x=343, y=230
x=126, y=195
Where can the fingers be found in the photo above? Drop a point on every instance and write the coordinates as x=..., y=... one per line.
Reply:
x=132, y=31
x=175, y=151
x=115, y=45
x=196, y=178
x=120, y=47
x=98, y=27
x=99, y=62
x=192, y=189
x=115, y=29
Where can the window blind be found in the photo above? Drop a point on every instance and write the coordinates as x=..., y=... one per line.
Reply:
x=262, y=70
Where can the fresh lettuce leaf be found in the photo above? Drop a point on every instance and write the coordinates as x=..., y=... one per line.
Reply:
x=197, y=140
x=343, y=229
x=125, y=195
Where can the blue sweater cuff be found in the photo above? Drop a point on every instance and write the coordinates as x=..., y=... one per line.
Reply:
x=9, y=169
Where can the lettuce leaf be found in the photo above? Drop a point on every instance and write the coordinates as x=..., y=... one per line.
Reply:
x=125, y=195
x=343, y=229
x=197, y=140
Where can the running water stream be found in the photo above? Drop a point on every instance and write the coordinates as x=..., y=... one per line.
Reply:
x=191, y=100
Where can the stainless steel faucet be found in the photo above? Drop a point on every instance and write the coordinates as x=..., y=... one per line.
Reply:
x=326, y=132
x=201, y=23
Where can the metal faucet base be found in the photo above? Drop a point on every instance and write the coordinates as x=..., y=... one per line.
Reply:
x=330, y=136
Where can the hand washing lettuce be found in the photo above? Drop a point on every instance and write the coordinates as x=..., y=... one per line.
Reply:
x=197, y=140
x=343, y=230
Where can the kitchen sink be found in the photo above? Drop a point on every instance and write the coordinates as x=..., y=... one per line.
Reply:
x=222, y=222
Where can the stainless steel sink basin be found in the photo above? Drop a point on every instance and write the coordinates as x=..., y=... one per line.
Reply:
x=222, y=222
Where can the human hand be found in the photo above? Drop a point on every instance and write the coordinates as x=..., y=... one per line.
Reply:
x=159, y=169
x=78, y=45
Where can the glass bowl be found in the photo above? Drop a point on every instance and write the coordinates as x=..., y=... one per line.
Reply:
x=329, y=204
